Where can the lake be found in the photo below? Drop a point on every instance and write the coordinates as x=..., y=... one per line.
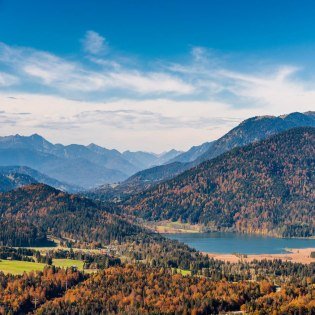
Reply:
x=226, y=243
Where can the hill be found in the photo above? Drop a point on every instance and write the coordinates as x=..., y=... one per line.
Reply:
x=10, y=181
x=266, y=187
x=31, y=213
x=139, y=182
x=36, y=177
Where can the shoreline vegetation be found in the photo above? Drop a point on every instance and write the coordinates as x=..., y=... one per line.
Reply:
x=177, y=227
x=169, y=227
x=295, y=255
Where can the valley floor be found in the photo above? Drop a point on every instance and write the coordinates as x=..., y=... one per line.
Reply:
x=293, y=255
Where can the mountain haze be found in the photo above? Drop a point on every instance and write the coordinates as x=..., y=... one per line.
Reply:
x=73, y=165
x=36, y=177
x=10, y=181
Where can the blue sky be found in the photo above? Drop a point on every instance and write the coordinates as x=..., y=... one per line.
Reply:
x=120, y=73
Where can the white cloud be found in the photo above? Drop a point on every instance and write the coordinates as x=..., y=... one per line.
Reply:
x=7, y=79
x=69, y=76
x=94, y=43
x=278, y=92
x=152, y=82
x=125, y=107
x=123, y=124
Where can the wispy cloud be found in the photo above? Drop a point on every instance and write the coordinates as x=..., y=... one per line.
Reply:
x=67, y=76
x=7, y=79
x=94, y=43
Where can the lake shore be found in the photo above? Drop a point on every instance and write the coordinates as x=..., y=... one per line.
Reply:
x=296, y=255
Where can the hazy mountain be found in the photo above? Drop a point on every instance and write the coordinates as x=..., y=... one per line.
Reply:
x=10, y=181
x=73, y=165
x=168, y=156
x=142, y=159
x=37, y=177
x=193, y=153
x=33, y=142
x=265, y=187
x=145, y=160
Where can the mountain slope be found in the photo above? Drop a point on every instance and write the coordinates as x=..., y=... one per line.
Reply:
x=167, y=157
x=29, y=213
x=265, y=187
x=138, y=182
x=256, y=129
x=11, y=180
x=146, y=160
x=193, y=153
x=37, y=177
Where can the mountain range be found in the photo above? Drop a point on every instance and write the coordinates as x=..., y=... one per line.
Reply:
x=75, y=165
x=113, y=175
x=251, y=130
x=265, y=187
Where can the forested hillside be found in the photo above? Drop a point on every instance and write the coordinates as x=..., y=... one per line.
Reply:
x=145, y=290
x=29, y=213
x=267, y=187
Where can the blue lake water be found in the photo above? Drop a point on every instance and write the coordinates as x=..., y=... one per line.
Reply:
x=227, y=243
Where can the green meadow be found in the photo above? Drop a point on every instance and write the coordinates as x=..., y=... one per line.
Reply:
x=18, y=267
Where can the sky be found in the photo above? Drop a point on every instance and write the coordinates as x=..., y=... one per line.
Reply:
x=151, y=75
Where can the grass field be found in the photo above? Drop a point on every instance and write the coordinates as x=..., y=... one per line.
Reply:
x=173, y=227
x=18, y=267
x=66, y=263
x=182, y=271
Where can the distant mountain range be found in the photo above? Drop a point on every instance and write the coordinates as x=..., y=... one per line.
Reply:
x=75, y=165
x=265, y=187
x=249, y=131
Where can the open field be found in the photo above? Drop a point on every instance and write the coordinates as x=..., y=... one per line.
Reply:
x=182, y=271
x=294, y=255
x=66, y=263
x=18, y=267
x=168, y=227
